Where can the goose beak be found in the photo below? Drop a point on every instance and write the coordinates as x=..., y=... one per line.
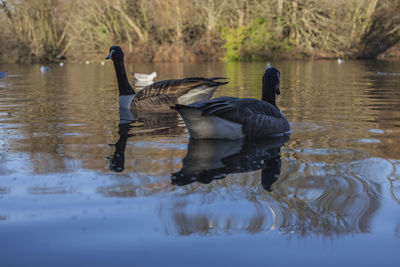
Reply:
x=110, y=55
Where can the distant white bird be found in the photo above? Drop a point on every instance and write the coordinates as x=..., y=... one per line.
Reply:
x=340, y=61
x=141, y=84
x=87, y=62
x=142, y=79
x=61, y=64
x=102, y=63
x=44, y=68
x=145, y=77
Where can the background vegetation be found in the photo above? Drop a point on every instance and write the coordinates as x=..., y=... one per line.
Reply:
x=196, y=30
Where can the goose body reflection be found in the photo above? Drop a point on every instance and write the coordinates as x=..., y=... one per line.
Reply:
x=140, y=123
x=208, y=160
x=117, y=160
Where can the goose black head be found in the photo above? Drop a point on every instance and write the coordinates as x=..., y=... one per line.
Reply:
x=270, y=84
x=272, y=79
x=115, y=53
x=117, y=56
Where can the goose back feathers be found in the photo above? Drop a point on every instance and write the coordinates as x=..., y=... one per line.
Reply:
x=165, y=93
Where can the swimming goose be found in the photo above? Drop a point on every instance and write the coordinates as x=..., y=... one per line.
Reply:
x=162, y=94
x=235, y=118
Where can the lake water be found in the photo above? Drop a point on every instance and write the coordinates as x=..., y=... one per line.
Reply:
x=80, y=187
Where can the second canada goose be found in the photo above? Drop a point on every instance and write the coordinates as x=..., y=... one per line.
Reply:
x=162, y=94
x=235, y=118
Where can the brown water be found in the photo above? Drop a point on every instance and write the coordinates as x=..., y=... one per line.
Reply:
x=79, y=188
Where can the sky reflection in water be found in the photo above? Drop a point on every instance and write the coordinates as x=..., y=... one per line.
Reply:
x=76, y=176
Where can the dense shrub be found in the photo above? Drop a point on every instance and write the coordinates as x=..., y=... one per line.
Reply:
x=45, y=30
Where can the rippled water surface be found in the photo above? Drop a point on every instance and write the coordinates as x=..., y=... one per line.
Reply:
x=80, y=187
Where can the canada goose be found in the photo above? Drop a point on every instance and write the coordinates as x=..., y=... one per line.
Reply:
x=162, y=94
x=235, y=118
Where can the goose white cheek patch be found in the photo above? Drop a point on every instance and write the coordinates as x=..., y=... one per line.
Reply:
x=111, y=53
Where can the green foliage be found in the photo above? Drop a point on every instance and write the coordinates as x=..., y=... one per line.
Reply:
x=234, y=41
x=102, y=32
x=254, y=42
x=260, y=40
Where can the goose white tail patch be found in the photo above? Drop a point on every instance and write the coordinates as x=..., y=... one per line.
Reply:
x=197, y=94
x=210, y=127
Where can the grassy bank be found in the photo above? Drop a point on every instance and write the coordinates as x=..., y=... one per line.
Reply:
x=196, y=30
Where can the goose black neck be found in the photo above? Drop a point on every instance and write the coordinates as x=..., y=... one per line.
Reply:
x=117, y=161
x=268, y=94
x=123, y=84
x=272, y=170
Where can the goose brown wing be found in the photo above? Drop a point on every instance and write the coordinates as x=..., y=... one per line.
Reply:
x=176, y=87
x=161, y=102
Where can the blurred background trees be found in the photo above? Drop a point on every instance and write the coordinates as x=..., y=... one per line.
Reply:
x=196, y=30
